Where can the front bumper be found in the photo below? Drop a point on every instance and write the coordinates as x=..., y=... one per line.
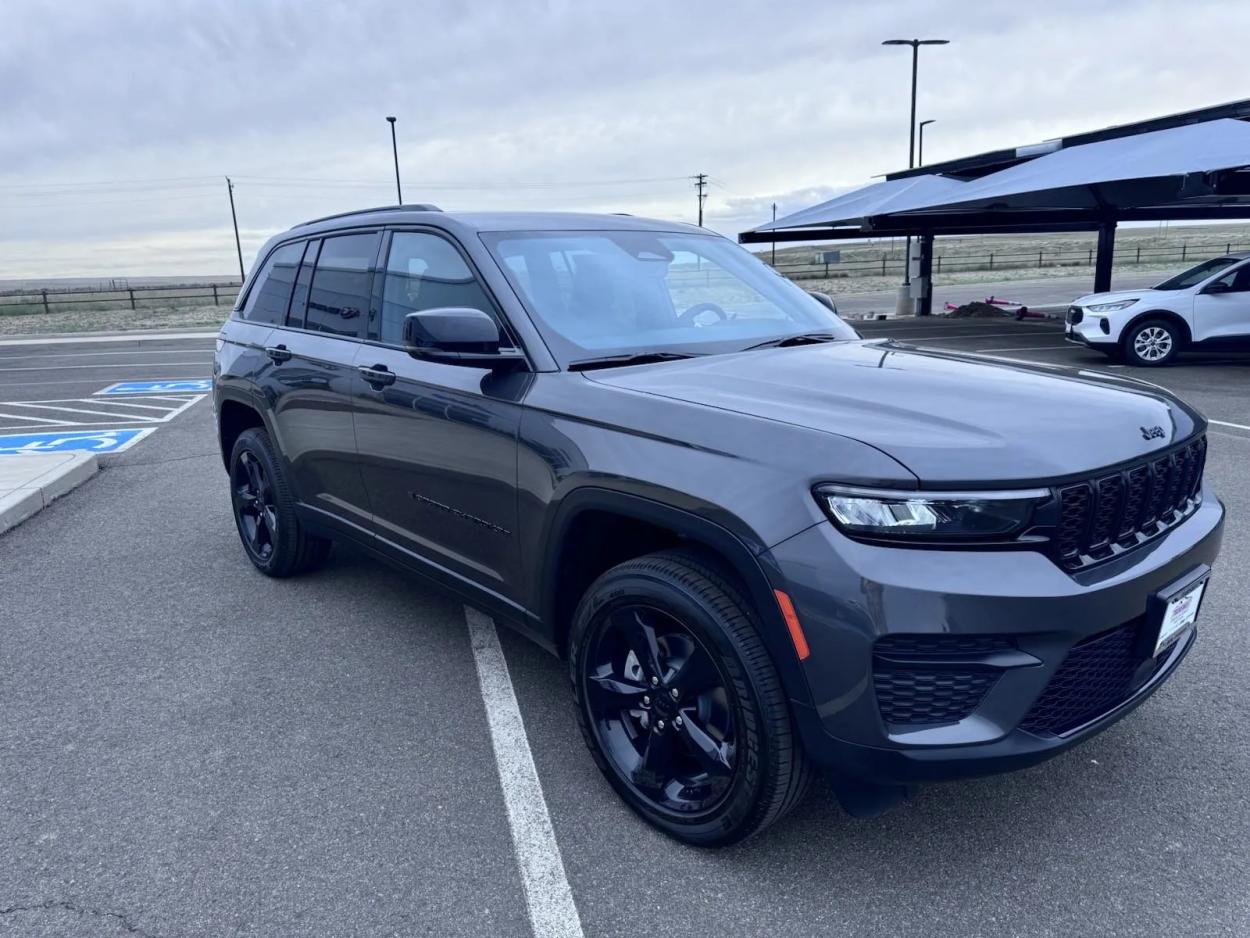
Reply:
x=849, y=595
x=1089, y=332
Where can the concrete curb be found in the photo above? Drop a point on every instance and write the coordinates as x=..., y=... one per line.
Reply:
x=30, y=481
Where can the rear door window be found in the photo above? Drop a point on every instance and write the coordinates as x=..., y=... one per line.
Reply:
x=267, y=301
x=338, y=296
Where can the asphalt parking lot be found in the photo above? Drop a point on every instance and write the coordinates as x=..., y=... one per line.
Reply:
x=189, y=748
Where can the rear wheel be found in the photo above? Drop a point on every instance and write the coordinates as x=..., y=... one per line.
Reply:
x=264, y=511
x=679, y=701
x=1152, y=343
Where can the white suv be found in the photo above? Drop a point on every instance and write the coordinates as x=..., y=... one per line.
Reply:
x=1206, y=308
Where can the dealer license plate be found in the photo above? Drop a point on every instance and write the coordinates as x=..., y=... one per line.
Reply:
x=1180, y=613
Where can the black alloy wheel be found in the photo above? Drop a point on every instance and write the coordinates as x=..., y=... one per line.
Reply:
x=264, y=511
x=661, y=710
x=254, y=506
x=679, y=701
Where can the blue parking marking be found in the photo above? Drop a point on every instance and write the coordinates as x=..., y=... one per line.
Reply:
x=181, y=386
x=73, y=441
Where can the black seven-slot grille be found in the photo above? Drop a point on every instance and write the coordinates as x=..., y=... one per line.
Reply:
x=1111, y=513
x=1097, y=675
x=933, y=679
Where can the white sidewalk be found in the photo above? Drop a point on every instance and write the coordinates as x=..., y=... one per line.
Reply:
x=30, y=481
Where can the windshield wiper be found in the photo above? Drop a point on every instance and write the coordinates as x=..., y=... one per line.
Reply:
x=803, y=338
x=631, y=358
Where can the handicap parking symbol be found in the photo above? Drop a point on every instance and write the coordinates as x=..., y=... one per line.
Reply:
x=181, y=386
x=73, y=441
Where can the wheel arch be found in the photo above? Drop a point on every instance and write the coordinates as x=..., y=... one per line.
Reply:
x=235, y=415
x=1171, y=316
x=575, y=558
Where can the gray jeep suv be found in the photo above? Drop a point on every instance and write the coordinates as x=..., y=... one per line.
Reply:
x=765, y=546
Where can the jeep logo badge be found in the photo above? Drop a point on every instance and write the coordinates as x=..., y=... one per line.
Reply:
x=1152, y=433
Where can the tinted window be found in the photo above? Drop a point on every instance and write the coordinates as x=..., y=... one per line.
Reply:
x=594, y=293
x=268, y=299
x=424, y=271
x=1195, y=275
x=1237, y=281
x=338, y=300
x=299, y=297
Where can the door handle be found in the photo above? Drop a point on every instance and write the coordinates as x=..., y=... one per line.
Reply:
x=377, y=375
x=279, y=354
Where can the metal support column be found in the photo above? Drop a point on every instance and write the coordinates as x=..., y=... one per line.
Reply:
x=1106, y=253
x=924, y=302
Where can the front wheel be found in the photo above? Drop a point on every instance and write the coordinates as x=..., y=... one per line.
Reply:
x=1152, y=343
x=680, y=704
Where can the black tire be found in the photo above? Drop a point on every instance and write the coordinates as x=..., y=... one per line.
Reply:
x=1152, y=343
x=264, y=511
x=759, y=772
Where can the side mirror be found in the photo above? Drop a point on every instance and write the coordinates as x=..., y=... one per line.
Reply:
x=457, y=335
x=824, y=299
x=1218, y=287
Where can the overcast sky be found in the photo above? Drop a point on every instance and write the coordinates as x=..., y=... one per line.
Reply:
x=119, y=120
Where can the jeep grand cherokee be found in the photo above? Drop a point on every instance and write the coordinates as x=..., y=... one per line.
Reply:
x=765, y=546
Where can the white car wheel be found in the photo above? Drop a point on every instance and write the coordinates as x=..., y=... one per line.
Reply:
x=1152, y=344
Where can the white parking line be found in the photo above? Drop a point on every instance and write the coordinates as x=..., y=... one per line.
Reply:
x=548, y=897
x=129, y=365
x=106, y=411
x=940, y=334
x=1225, y=423
x=116, y=337
x=1030, y=348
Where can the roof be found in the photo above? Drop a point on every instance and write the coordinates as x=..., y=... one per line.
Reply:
x=1169, y=168
x=490, y=221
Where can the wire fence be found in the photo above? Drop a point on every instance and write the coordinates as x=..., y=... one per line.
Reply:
x=886, y=263
x=859, y=264
x=153, y=296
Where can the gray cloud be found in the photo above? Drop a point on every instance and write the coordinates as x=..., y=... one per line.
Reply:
x=531, y=105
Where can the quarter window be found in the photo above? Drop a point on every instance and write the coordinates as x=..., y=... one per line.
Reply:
x=338, y=299
x=424, y=271
x=267, y=301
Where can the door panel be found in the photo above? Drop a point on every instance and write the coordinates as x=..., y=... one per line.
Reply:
x=438, y=443
x=310, y=396
x=438, y=456
x=1224, y=318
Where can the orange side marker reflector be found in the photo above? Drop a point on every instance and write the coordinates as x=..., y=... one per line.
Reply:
x=792, y=623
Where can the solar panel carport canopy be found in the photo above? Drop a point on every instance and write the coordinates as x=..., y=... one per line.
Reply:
x=1182, y=167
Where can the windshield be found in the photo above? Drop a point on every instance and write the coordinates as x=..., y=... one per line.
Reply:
x=595, y=294
x=1195, y=275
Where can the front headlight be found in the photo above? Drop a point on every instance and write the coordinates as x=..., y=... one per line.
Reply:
x=936, y=516
x=1110, y=307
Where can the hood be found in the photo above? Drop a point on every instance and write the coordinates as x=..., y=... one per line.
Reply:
x=1116, y=295
x=950, y=419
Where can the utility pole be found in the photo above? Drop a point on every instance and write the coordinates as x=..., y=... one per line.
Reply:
x=399, y=193
x=235, y=218
x=774, y=235
x=700, y=183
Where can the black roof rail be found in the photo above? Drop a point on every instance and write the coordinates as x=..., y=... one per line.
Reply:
x=411, y=207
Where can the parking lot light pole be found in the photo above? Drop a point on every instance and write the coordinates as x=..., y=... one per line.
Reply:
x=911, y=124
x=399, y=193
x=920, y=146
